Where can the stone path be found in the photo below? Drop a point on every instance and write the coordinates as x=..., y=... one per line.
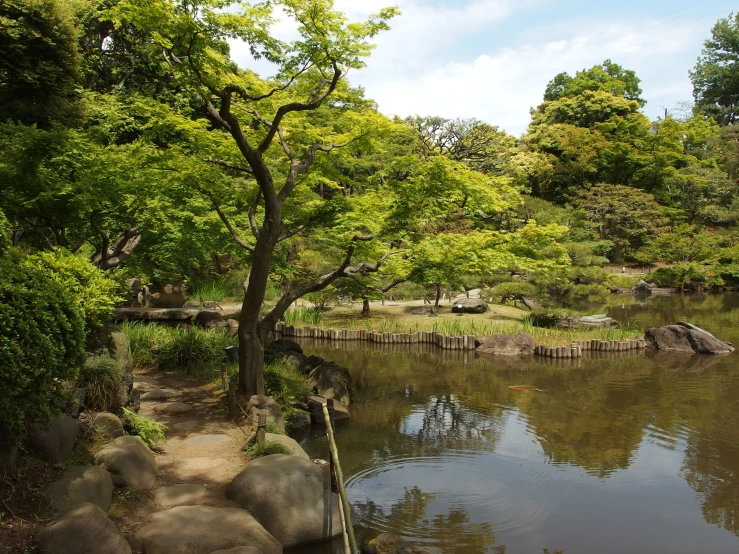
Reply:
x=202, y=453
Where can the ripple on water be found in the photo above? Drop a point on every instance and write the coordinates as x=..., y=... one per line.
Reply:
x=430, y=499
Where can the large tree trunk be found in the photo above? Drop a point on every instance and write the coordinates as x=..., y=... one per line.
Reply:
x=438, y=296
x=365, y=308
x=251, y=378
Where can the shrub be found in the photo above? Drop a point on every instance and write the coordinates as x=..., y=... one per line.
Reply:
x=147, y=429
x=41, y=342
x=283, y=382
x=101, y=379
x=548, y=317
x=4, y=232
x=255, y=450
x=96, y=292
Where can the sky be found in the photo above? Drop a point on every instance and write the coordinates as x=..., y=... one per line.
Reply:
x=492, y=59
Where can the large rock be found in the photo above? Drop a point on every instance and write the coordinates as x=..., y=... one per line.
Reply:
x=290, y=496
x=56, y=443
x=291, y=444
x=202, y=530
x=507, y=345
x=316, y=402
x=587, y=322
x=206, y=318
x=130, y=463
x=331, y=381
x=238, y=550
x=108, y=426
x=260, y=404
x=469, y=306
x=81, y=485
x=287, y=351
x=685, y=337
x=83, y=530
x=387, y=543
x=642, y=287
x=185, y=494
x=298, y=425
x=109, y=340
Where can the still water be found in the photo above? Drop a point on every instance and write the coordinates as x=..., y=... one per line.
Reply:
x=630, y=454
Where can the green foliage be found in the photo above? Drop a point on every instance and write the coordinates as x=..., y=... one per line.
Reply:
x=101, y=379
x=716, y=76
x=679, y=275
x=211, y=289
x=272, y=427
x=95, y=290
x=255, y=450
x=303, y=316
x=549, y=317
x=159, y=347
x=283, y=382
x=607, y=77
x=41, y=342
x=4, y=233
x=147, y=429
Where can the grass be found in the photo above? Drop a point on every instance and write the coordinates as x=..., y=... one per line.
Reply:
x=160, y=347
x=147, y=429
x=101, y=378
x=504, y=319
x=210, y=289
x=303, y=316
x=265, y=449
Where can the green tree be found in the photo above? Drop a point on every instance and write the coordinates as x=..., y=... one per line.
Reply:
x=607, y=77
x=716, y=75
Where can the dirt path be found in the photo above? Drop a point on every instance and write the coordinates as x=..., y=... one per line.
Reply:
x=203, y=448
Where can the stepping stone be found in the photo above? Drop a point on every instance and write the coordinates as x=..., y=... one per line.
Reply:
x=186, y=425
x=188, y=468
x=181, y=495
x=84, y=530
x=173, y=408
x=207, y=440
x=160, y=394
x=144, y=382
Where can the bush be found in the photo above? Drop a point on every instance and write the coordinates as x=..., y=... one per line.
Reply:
x=4, y=232
x=548, y=317
x=101, y=379
x=255, y=450
x=283, y=382
x=41, y=343
x=147, y=429
x=96, y=292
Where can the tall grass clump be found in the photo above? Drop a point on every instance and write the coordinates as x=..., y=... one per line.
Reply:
x=255, y=450
x=210, y=289
x=100, y=378
x=303, y=316
x=159, y=347
x=147, y=429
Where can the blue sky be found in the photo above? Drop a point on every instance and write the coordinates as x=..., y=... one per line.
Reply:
x=492, y=59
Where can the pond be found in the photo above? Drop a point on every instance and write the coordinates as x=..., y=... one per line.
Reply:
x=635, y=453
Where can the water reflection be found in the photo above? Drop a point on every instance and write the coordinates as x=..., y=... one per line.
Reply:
x=635, y=453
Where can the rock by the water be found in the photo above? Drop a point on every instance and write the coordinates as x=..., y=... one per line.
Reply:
x=643, y=287
x=316, y=402
x=331, y=381
x=260, y=404
x=291, y=444
x=685, y=337
x=159, y=394
x=298, y=425
x=286, y=350
x=173, y=408
x=469, y=306
x=130, y=463
x=589, y=322
x=507, y=345
x=56, y=443
x=202, y=530
x=83, y=530
x=388, y=543
x=181, y=495
x=291, y=498
x=108, y=425
x=310, y=363
x=81, y=485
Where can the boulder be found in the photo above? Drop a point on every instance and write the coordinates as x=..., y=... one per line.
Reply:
x=109, y=340
x=298, y=425
x=290, y=497
x=83, y=530
x=239, y=550
x=588, y=322
x=160, y=394
x=56, y=443
x=331, y=381
x=387, y=543
x=507, y=345
x=259, y=404
x=469, y=306
x=642, y=287
x=310, y=363
x=316, y=402
x=130, y=463
x=291, y=444
x=206, y=318
x=284, y=349
x=202, y=530
x=685, y=337
x=108, y=425
x=81, y=485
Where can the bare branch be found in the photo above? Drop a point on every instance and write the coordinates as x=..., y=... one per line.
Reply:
x=392, y=284
x=228, y=165
x=291, y=233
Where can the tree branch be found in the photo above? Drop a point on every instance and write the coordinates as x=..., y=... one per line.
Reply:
x=253, y=214
x=226, y=222
x=228, y=165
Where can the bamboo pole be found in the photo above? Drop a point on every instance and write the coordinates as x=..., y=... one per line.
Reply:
x=348, y=529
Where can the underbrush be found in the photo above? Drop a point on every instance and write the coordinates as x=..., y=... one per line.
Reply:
x=282, y=382
x=147, y=429
x=265, y=449
x=101, y=379
x=159, y=347
x=303, y=316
